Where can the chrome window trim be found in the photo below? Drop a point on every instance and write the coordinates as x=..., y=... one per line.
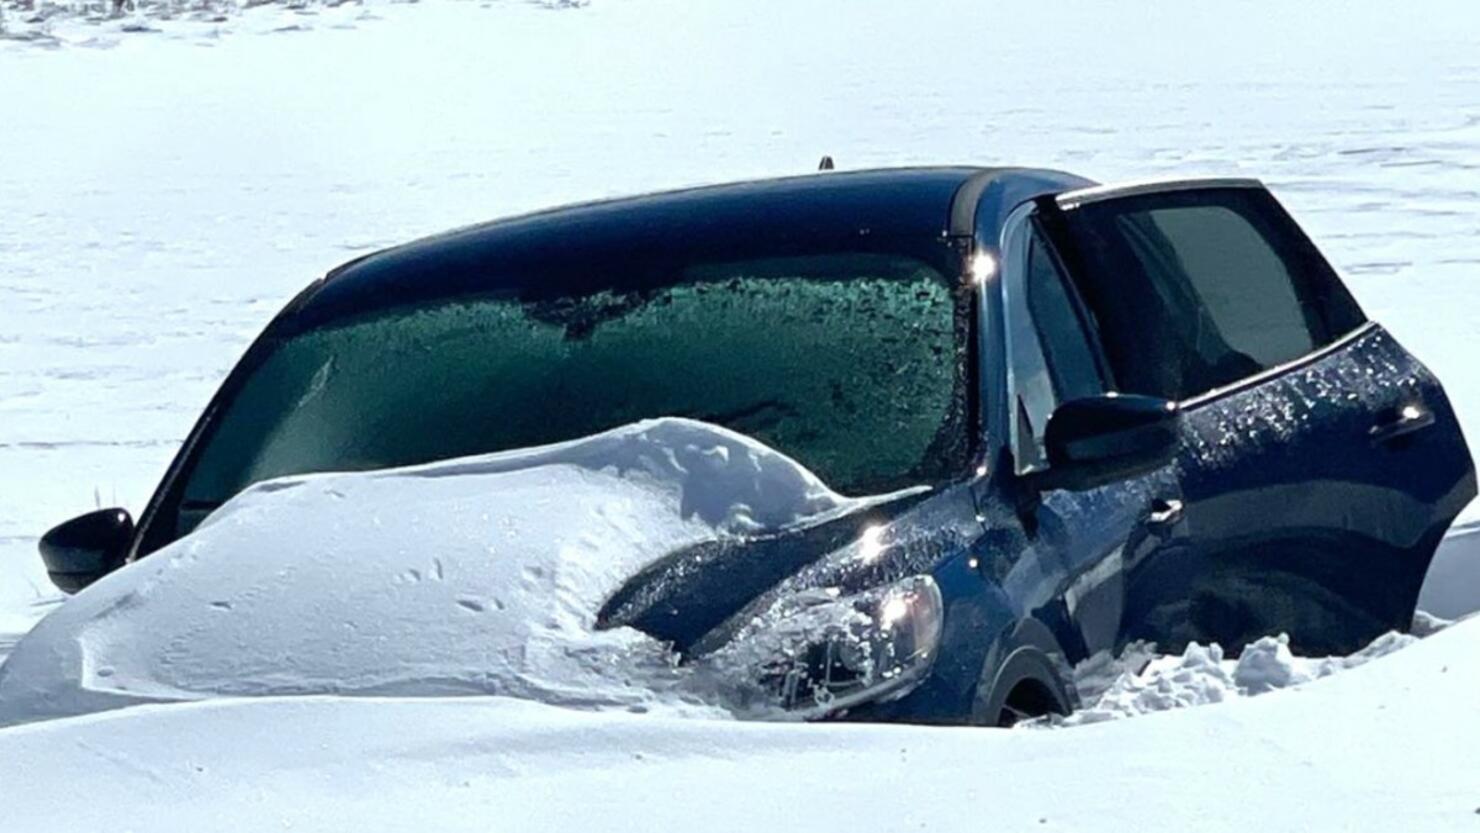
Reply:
x=1018, y=345
x=1070, y=200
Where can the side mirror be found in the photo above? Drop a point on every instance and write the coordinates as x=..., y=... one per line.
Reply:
x=1100, y=439
x=86, y=548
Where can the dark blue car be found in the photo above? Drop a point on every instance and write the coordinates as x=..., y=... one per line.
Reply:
x=1149, y=412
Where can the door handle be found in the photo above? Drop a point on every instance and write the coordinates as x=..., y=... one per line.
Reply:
x=1164, y=513
x=1401, y=422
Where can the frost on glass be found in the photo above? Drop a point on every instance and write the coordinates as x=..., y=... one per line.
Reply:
x=849, y=363
x=1343, y=389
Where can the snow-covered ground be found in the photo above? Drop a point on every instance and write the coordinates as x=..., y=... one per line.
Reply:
x=1387, y=746
x=163, y=192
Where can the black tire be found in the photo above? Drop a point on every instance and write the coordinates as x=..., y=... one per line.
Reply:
x=1026, y=686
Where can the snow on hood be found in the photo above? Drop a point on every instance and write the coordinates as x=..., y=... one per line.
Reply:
x=477, y=575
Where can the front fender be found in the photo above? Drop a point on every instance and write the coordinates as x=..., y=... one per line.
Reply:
x=985, y=641
x=1028, y=652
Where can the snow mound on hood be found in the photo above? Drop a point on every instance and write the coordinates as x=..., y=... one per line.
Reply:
x=479, y=575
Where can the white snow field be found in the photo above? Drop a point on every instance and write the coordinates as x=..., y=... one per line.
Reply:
x=1388, y=746
x=166, y=185
x=163, y=197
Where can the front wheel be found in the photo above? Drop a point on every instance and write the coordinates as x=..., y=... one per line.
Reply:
x=1025, y=687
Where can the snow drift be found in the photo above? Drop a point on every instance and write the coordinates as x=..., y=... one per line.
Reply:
x=1140, y=681
x=480, y=575
x=1388, y=746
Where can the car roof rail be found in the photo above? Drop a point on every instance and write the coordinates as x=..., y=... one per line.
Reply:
x=1073, y=199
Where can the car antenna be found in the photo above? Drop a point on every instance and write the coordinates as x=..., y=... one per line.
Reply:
x=826, y=164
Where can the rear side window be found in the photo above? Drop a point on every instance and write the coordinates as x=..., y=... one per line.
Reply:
x=1193, y=290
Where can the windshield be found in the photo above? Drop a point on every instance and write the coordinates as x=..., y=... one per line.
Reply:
x=849, y=363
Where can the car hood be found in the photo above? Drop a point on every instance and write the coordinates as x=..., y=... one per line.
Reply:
x=689, y=593
x=477, y=575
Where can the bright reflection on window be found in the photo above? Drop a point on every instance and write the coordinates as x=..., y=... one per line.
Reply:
x=983, y=267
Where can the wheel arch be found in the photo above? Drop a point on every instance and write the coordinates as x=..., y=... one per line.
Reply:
x=1028, y=654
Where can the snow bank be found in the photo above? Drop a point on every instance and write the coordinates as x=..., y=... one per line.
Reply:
x=1387, y=746
x=1452, y=587
x=480, y=575
x=1141, y=682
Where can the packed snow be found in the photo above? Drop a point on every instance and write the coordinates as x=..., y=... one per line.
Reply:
x=1387, y=746
x=172, y=179
x=481, y=575
x=1141, y=682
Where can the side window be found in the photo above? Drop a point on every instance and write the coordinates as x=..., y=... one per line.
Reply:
x=1244, y=295
x=1194, y=290
x=1050, y=359
x=1066, y=349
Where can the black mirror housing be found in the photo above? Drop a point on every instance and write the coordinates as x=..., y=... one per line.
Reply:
x=86, y=548
x=1101, y=439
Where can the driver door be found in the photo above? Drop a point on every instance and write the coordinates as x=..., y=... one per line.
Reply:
x=1096, y=536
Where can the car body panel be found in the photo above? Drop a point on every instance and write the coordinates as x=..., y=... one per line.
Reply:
x=1300, y=521
x=565, y=248
x=1084, y=537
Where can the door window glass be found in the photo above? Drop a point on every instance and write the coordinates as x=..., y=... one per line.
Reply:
x=1194, y=290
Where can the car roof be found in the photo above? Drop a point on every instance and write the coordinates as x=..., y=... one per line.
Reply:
x=827, y=210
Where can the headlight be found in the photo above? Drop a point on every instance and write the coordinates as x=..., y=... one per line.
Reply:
x=820, y=652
